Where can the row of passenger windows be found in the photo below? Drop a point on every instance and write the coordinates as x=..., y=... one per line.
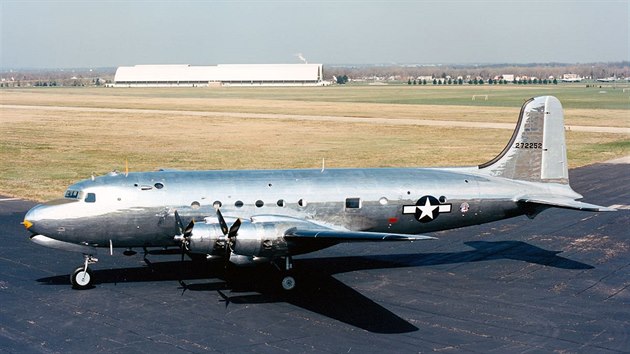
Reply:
x=351, y=203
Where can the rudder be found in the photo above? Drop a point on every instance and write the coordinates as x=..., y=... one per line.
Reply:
x=537, y=150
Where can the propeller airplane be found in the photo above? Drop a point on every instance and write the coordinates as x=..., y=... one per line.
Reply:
x=269, y=216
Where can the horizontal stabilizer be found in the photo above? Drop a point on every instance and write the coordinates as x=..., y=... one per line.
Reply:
x=352, y=236
x=563, y=202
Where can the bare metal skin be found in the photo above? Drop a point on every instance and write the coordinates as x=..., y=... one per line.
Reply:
x=249, y=217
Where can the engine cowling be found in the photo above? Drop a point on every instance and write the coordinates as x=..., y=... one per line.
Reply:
x=254, y=240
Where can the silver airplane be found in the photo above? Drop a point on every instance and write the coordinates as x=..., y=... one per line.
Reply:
x=268, y=216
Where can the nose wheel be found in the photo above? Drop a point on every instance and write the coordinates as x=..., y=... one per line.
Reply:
x=81, y=278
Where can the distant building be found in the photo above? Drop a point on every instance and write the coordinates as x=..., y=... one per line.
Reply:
x=571, y=78
x=223, y=74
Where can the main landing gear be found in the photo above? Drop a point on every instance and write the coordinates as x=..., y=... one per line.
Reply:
x=288, y=277
x=81, y=278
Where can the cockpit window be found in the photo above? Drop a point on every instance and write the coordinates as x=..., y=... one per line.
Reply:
x=72, y=194
x=90, y=198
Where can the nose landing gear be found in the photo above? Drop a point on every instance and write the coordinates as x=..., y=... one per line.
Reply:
x=81, y=278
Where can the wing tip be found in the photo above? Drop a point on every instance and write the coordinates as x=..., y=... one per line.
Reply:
x=398, y=237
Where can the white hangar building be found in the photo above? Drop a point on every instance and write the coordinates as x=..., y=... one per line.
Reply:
x=223, y=74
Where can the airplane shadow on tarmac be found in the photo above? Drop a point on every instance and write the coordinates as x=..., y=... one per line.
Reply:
x=318, y=291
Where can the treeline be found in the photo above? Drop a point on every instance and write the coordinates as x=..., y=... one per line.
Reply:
x=541, y=71
x=476, y=81
x=56, y=77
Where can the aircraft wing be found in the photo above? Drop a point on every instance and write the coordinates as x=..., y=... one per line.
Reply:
x=351, y=236
x=563, y=202
x=304, y=229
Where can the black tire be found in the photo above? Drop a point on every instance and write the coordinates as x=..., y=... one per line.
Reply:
x=288, y=282
x=81, y=280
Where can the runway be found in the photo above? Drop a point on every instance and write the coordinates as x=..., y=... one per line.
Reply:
x=558, y=283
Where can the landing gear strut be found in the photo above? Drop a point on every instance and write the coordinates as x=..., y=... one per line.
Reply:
x=81, y=278
x=288, y=281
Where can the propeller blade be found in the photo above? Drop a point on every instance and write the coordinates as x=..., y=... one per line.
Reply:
x=178, y=222
x=234, y=228
x=224, y=227
x=189, y=228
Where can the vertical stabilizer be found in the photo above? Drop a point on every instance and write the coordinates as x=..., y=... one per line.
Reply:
x=536, y=151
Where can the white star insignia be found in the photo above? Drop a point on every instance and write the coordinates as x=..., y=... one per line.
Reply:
x=427, y=209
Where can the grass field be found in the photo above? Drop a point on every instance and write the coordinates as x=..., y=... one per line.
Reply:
x=43, y=150
x=571, y=95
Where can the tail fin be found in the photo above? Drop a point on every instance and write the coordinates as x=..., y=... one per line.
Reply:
x=536, y=151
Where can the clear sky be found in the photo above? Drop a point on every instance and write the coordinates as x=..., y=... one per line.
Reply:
x=64, y=34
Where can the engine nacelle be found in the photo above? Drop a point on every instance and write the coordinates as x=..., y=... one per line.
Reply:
x=255, y=240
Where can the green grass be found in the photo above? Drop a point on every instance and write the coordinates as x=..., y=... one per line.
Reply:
x=613, y=146
x=571, y=95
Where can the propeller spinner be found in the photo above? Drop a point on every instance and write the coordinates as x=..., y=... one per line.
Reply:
x=229, y=233
x=184, y=234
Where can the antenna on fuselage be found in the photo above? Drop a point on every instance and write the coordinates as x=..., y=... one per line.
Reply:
x=323, y=164
x=126, y=168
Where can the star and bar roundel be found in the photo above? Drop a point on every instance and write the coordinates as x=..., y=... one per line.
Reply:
x=426, y=209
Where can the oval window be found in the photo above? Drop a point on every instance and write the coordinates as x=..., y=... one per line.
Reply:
x=281, y=203
x=238, y=204
x=195, y=205
x=217, y=204
x=260, y=203
x=158, y=185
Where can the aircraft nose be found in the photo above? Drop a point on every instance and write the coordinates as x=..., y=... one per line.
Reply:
x=36, y=219
x=30, y=218
x=44, y=218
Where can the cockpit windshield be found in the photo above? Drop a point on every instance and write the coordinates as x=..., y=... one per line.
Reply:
x=72, y=194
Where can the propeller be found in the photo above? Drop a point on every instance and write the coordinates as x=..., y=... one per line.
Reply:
x=184, y=233
x=229, y=233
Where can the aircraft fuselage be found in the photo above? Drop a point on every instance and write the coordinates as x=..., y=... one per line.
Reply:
x=136, y=210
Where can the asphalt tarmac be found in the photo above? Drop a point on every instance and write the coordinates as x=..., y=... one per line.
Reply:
x=558, y=283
